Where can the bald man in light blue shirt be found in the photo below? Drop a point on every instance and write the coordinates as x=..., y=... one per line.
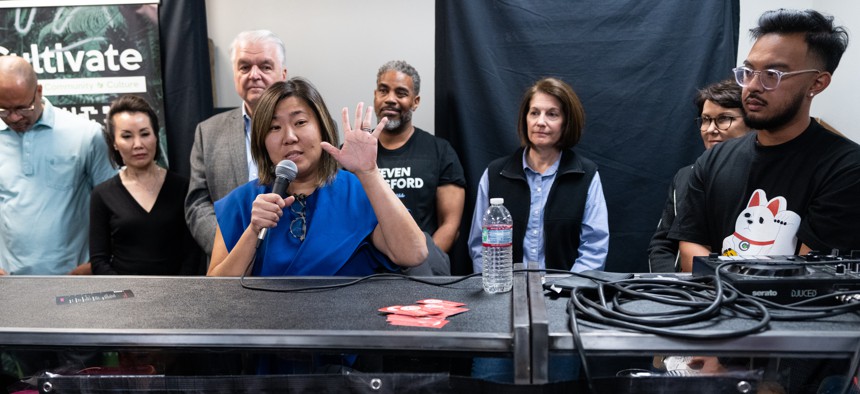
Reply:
x=51, y=161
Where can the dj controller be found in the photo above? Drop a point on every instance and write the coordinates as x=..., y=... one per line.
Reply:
x=785, y=279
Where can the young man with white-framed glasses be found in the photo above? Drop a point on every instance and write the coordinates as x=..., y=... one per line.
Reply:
x=769, y=79
x=791, y=186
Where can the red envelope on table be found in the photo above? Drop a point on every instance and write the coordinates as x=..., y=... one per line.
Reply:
x=441, y=310
x=428, y=312
x=407, y=310
x=412, y=321
x=434, y=301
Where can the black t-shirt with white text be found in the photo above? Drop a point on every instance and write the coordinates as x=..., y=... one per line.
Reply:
x=416, y=169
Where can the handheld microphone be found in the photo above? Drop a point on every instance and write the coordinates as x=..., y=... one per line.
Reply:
x=285, y=173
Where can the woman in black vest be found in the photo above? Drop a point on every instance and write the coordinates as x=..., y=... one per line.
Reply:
x=553, y=193
x=555, y=198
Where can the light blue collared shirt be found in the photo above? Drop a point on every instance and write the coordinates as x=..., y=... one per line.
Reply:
x=252, y=167
x=593, y=235
x=46, y=176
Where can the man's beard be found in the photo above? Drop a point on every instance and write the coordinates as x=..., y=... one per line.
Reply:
x=775, y=122
x=394, y=125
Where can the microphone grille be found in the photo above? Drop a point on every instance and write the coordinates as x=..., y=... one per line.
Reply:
x=287, y=169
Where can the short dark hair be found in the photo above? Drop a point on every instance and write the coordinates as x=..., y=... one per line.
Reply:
x=571, y=108
x=264, y=113
x=826, y=42
x=726, y=94
x=132, y=104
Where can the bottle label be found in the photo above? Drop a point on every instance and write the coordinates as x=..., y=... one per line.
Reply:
x=497, y=235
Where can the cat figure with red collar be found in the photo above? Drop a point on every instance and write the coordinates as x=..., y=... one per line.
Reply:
x=763, y=228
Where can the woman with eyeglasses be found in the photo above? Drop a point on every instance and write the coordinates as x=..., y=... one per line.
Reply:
x=333, y=221
x=721, y=118
x=137, y=218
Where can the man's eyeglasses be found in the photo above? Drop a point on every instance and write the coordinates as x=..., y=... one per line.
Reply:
x=298, y=227
x=25, y=111
x=769, y=78
x=722, y=122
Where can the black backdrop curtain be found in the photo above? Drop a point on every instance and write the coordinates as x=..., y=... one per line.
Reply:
x=187, y=76
x=635, y=64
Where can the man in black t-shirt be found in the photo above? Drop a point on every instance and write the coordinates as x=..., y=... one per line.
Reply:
x=423, y=170
x=792, y=186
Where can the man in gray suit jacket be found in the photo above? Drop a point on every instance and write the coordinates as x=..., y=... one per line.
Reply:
x=221, y=155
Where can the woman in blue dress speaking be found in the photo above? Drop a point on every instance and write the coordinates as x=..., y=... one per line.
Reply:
x=332, y=221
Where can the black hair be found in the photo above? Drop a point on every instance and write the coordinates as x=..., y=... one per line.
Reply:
x=825, y=41
x=726, y=94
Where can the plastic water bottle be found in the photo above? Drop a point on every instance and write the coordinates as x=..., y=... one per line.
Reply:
x=496, y=237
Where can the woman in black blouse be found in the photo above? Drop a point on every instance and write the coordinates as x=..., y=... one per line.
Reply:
x=137, y=219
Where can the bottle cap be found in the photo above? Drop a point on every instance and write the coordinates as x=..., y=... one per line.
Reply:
x=497, y=201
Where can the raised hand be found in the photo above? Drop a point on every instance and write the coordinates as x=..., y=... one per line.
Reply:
x=358, y=153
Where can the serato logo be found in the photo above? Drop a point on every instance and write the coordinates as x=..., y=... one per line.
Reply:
x=808, y=293
x=764, y=293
